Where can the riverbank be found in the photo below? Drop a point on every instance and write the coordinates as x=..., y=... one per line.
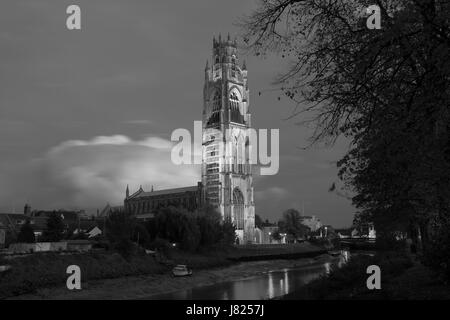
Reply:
x=403, y=277
x=38, y=275
x=146, y=286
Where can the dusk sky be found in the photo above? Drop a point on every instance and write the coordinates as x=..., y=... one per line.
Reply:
x=84, y=113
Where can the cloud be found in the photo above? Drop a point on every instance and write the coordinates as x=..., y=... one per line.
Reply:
x=89, y=173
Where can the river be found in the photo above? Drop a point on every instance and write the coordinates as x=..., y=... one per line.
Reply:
x=271, y=284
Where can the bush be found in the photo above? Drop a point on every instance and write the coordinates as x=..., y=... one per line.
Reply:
x=55, y=228
x=192, y=230
x=119, y=228
x=26, y=234
x=436, y=253
x=350, y=280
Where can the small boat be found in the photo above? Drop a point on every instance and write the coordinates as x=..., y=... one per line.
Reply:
x=181, y=270
x=4, y=268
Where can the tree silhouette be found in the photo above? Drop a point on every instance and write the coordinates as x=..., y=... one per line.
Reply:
x=26, y=234
x=55, y=228
x=387, y=91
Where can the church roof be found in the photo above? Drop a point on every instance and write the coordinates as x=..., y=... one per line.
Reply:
x=141, y=193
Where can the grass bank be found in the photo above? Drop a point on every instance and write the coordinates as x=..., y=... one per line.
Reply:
x=402, y=278
x=44, y=270
x=30, y=272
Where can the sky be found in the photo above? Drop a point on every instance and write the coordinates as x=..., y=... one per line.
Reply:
x=85, y=112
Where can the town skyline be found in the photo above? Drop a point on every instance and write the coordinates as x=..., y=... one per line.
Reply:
x=79, y=148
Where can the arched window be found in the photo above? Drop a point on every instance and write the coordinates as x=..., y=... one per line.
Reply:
x=238, y=209
x=236, y=115
x=216, y=105
x=216, y=101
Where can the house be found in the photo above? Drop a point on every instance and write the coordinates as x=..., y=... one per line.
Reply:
x=265, y=234
x=10, y=225
x=365, y=231
x=327, y=231
x=39, y=220
x=344, y=233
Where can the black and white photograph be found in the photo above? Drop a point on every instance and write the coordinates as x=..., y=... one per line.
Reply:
x=252, y=152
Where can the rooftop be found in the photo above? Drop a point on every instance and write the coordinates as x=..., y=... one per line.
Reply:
x=141, y=193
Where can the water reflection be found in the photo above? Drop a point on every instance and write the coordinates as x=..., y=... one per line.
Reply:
x=266, y=286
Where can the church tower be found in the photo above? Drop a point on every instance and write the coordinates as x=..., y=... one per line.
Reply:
x=226, y=169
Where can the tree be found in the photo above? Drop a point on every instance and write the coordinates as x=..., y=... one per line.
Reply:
x=178, y=226
x=209, y=223
x=140, y=234
x=387, y=91
x=292, y=224
x=26, y=234
x=55, y=228
x=276, y=236
x=228, y=233
x=258, y=221
x=119, y=231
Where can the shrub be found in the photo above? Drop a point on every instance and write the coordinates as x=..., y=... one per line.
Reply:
x=437, y=250
x=119, y=227
x=26, y=234
x=55, y=228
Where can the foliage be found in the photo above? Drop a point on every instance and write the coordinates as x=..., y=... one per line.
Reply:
x=291, y=224
x=26, y=234
x=55, y=228
x=258, y=221
x=192, y=230
x=119, y=229
x=276, y=236
x=140, y=234
x=349, y=281
x=387, y=91
x=228, y=233
x=437, y=252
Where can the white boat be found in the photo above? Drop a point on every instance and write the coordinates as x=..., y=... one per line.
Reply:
x=181, y=270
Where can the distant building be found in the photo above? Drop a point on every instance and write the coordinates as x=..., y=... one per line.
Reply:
x=39, y=218
x=148, y=203
x=10, y=225
x=365, y=231
x=266, y=232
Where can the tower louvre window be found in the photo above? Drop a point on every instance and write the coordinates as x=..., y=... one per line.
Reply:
x=236, y=115
x=217, y=101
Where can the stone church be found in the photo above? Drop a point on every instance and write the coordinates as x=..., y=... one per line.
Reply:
x=226, y=169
